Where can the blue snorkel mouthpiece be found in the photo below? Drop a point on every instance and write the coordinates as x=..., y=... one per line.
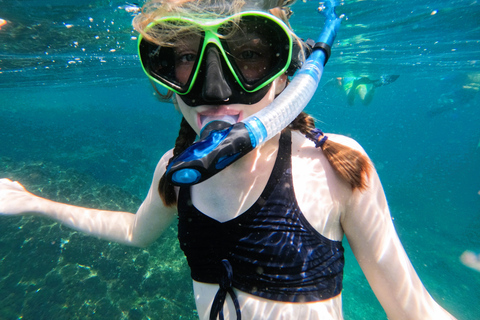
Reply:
x=221, y=143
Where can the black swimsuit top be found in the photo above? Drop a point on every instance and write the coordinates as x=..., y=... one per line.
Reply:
x=270, y=250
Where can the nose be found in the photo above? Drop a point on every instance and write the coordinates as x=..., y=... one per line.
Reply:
x=215, y=87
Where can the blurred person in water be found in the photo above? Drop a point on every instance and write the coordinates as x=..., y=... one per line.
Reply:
x=263, y=237
x=362, y=88
x=458, y=92
x=471, y=260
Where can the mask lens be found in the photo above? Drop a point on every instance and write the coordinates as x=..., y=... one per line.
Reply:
x=258, y=48
x=174, y=62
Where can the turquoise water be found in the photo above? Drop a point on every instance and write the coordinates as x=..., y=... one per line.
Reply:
x=79, y=124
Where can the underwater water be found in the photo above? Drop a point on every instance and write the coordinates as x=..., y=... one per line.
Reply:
x=79, y=123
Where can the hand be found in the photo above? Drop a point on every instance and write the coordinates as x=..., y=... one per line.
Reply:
x=14, y=199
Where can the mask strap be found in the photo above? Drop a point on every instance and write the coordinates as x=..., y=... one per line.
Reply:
x=301, y=51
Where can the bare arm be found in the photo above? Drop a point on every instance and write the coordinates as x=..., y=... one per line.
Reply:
x=139, y=229
x=370, y=232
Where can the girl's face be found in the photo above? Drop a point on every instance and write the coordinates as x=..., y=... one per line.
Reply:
x=199, y=116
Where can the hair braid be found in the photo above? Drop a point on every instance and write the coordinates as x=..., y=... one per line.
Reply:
x=186, y=136
x=351, y=165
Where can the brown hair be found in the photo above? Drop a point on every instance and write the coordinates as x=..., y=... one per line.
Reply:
x=186, y=136
x=351, y=165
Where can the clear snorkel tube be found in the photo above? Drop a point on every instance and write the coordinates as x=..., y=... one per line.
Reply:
x=221, y=144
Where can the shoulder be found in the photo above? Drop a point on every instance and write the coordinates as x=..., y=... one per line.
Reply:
x=162, y=164
x=311, y=167
x=347, y=164
x=320, y=192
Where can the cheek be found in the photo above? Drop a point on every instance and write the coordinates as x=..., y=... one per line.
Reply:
x=280, y=84
x=189, y=114
x=266, y=100
x=182, y=74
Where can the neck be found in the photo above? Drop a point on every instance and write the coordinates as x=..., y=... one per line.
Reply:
x=233, y=190
x=256, y=160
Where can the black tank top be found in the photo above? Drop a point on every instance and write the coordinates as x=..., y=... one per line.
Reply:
x=270, y=250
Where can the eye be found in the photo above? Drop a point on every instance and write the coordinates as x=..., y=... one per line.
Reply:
x=250, y=51
x=249, y=55
x=187, y=57
x=186, y=49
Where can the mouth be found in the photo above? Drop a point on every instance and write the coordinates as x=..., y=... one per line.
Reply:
x=230, y=116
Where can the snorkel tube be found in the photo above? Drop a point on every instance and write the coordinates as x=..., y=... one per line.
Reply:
x=221, y=143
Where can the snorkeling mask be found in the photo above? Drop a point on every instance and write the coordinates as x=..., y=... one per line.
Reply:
x=246, y=52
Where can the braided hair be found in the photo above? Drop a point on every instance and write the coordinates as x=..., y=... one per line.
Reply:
x=186, y=137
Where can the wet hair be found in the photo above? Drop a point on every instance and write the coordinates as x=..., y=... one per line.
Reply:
x=186, y=137
x=155, y=9
x=350, y=165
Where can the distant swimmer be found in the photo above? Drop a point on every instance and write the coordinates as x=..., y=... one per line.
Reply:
x=459, y=91
x=471, y=259
x=2, y=23
x=362, y=87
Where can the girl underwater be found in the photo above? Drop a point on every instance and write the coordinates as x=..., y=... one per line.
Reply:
x=263, y=237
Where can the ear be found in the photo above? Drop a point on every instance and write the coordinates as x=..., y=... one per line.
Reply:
x=280, y=84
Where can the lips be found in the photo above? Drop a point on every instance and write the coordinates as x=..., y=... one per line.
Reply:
x=230, y=116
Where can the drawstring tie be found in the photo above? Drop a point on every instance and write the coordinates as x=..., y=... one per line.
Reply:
x=315, y=135
x=225, y=287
